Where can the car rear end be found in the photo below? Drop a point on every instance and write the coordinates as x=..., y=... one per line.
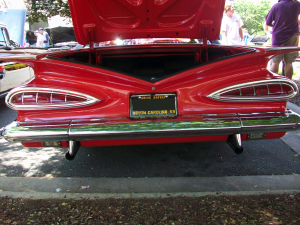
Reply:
x=110, y=99
x=152, y=93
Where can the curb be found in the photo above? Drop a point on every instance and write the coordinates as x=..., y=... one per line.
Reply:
x=79, y=196
x=43, y=188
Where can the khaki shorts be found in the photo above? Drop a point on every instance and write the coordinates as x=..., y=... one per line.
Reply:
x=288, y=57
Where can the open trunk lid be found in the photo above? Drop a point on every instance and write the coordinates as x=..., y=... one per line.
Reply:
x=102, y=20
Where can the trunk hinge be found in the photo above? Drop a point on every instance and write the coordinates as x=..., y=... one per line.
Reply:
x=205, y=43
x=90, y=33
x=205, y=29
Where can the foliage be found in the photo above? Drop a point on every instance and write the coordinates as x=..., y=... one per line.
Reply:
x=43, y=9
x=253, y=14
x=211, y=209
x=15, y=66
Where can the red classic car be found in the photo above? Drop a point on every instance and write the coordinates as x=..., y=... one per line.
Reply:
x=152, y=93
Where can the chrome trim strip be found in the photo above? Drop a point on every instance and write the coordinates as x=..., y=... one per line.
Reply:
x=153, y=130
x=216, y=95
x=15, y=132
x=97, y=129
x=276, y=124
x=36, y=98
x=281, y=49
x=12, y=56
x=8, y=100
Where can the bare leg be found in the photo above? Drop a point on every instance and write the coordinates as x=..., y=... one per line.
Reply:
x=274, y=67
x=288, y=70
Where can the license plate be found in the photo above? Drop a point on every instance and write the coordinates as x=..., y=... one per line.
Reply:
x=153, y=106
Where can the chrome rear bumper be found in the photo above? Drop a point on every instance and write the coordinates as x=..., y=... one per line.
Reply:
x=123, y=128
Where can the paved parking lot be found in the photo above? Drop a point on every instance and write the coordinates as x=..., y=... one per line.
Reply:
x=263, y=157
x=261, y=161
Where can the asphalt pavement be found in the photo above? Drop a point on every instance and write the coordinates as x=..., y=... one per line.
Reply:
x=194, y=169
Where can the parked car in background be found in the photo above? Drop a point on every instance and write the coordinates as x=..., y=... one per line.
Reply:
x=14, y=21
x=5, y=43
x=12, y=79
x=153, y=93
x=259, y=40
x=61, y=34
x=11, y=37
x=63, y=46
x=4, y=37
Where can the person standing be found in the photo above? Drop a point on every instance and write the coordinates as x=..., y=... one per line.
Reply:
x=39, y=39
x=45, y=37
x=283, y=18
x=232, y=33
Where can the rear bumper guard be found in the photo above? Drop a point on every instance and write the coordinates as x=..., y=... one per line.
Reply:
x=193, y=125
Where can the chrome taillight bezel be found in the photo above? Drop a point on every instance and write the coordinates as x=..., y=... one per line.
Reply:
x=284, y=97
x=48, y=106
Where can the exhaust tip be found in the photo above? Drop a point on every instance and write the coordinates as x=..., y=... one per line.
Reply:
x=69, y=157
x=235, y=142
x=73, y=149
x=238, y=151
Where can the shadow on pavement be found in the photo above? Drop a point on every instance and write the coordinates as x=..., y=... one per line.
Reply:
x=170, y=160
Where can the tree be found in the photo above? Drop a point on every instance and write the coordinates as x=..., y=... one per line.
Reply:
x=43, y=9
x=253, y=14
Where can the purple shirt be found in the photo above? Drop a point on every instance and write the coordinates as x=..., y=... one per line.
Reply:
x=285, y=16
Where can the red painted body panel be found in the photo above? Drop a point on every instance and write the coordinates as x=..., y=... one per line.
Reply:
x=127, y=19
x=32, y=144
x=144, y=141
x=151, y=141
x=113, y=89
x=275, y=135
x=105, y=78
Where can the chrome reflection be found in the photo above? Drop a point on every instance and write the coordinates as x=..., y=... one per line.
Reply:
x=31, y=132
x=235, y=142
x=73, y=149
x=281, y=49
x=106, y=129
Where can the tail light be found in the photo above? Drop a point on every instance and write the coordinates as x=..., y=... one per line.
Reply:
x=267, y=90
x=45, y=98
